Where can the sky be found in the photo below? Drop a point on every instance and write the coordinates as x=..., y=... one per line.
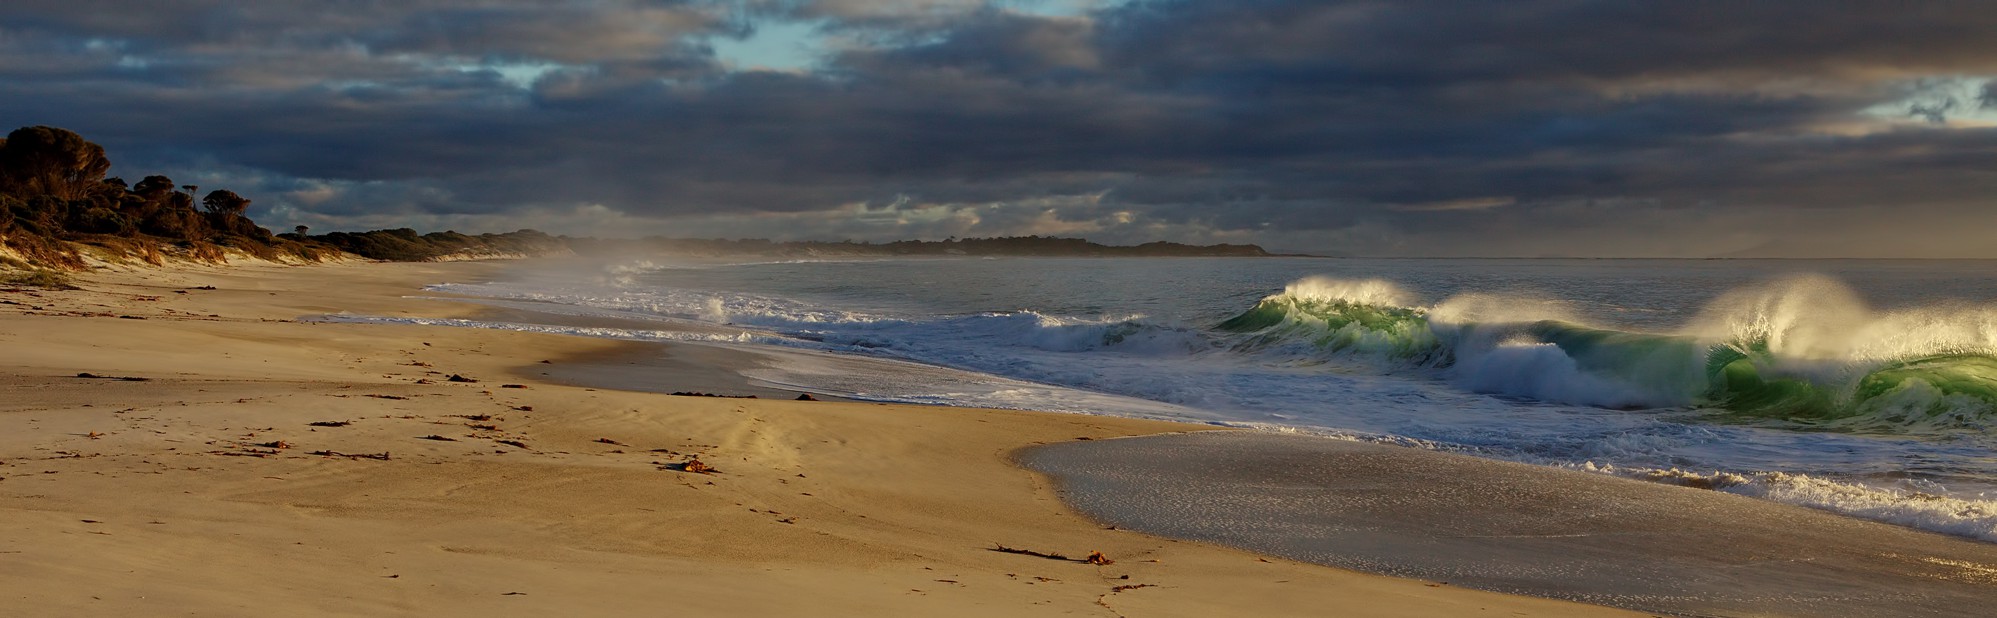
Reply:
x=1528, y=128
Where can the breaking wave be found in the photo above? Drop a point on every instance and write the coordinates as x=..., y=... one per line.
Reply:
x=1803, y=351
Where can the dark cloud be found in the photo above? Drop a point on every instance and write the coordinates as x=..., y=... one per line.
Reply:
x=1411, y=127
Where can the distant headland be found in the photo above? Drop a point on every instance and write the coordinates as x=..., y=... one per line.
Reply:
x=406, y=245
x=58, y=211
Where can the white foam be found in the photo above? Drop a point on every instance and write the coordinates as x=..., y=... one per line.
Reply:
x=1968, y=517
x=1542, y=371
x=1374, y=292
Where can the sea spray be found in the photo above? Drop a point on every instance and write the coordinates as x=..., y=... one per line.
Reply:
x=1807, y=349
x=1369, y=292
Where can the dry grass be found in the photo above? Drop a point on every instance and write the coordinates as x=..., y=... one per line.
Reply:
x=37, y=278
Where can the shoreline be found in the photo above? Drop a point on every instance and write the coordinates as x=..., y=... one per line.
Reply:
x=205, y=488
x=1518, y=528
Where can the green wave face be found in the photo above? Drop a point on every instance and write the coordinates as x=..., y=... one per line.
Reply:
x=1738, y=386
x=1269, y=312
x=1665, y=366
x=1936, y=392
x=1336, y=326
x=1922, y=395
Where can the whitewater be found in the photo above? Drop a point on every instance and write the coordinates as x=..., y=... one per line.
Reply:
x=1863, y=387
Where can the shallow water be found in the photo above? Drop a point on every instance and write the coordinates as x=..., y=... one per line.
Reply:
x=1864, y=387
x=1520, y=529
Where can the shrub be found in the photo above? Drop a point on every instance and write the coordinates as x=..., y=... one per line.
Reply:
x=101, y=221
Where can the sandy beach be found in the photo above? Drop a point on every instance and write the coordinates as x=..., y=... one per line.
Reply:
x=224, y=458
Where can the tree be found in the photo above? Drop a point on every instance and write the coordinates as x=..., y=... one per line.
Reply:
x=50, y=161
x=301, y=230
x=225, y=202
x=192, y=189
x=154, y=188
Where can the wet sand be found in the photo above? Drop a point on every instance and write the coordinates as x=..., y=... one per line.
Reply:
x=1518, y=528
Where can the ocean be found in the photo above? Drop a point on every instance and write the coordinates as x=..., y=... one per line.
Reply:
x=1864, y=387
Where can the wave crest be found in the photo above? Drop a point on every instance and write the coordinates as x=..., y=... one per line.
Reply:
x=1370, y=292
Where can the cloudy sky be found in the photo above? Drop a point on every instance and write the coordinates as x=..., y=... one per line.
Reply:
x=1398, y=127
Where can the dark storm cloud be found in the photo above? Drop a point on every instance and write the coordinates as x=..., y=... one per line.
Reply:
x=1403, y=127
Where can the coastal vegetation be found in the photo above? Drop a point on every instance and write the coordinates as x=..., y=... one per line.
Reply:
x=16, y=273
x=56, y=203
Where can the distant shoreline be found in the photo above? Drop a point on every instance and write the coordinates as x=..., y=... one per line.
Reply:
x=406, y=245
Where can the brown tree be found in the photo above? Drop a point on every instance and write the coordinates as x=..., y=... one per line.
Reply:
x=50, y=161
x=225, y=202
x=154, y=188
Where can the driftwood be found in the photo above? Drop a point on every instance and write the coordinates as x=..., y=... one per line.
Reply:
x=375, y=456
x=248, y=452
x=700, y=394
x=1028, y=552
x=1096, y=558
x=91, y=376
x=695, y=466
